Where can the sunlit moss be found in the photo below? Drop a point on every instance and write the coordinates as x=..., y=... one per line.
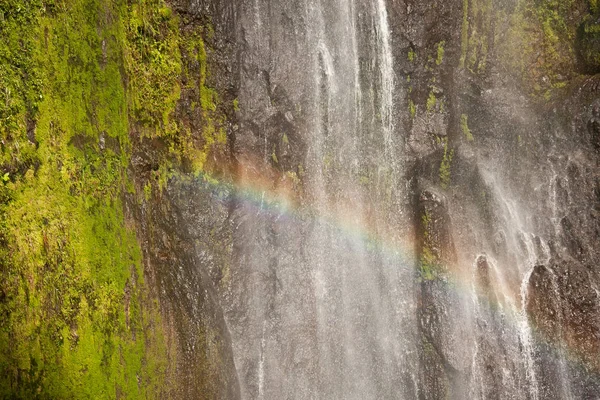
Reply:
x=77, y=320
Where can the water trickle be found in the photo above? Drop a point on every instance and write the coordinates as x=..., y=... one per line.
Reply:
x=526, y=337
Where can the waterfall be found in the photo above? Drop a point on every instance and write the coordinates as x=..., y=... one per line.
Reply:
x=386, y=68
x=338, y=319
x=525, y=337
x=324, y=300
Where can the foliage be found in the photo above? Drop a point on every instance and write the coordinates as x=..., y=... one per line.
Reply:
x=534, y=39
x=77, y=317
x=464, y=35
x=153, y=62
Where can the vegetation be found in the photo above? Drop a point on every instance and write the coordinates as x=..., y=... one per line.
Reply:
x=431, y=102
x=464, y=34
x=412, y=109
x=81, y=81
x=440, y=53
x=411, y=55
x=535, y=39
x=464, y=126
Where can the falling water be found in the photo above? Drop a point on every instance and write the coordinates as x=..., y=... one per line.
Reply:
x=331, y=313
x=525, y=336
x=325, y=302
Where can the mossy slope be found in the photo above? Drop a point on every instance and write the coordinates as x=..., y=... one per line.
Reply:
x=77, y=77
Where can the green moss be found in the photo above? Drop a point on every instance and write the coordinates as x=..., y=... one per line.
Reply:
x=77, y=320
x=153, y=65
x=440, y=53
x=274, y=156
x=475, y=34
x=236, y=105
x=431, y=102
x=412, y=109
x=411, y=55
x=539, y=44
x=464, y=126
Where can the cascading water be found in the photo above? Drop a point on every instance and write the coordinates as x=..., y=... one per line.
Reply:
x=353, y=277
x=324, y=308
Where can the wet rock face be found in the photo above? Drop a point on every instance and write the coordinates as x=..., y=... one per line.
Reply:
x=564, y=312
x=496, y=191
x=185, y=240
x=444, y=366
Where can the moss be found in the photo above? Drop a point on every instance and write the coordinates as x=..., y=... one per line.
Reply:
x=440, y=53
x=236, y=105
x=464, y=126
x=412, y=109
x=411, y=55
x=274, y=156
x=77, y=318
x=153, y=65
x=539, y=44
x=431, y=102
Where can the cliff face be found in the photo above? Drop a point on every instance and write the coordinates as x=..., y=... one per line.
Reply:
x=299, y=199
